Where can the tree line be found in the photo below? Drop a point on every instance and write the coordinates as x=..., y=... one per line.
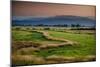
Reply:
x=56, y=25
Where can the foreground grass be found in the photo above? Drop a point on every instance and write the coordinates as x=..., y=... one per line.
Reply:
x=85, y=50
x=31, y=36
x=86, y=41
x=86, y=47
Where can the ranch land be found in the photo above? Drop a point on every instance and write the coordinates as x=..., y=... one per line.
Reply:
x=46, y=45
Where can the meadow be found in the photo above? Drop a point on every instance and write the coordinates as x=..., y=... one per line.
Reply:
x=43, y=45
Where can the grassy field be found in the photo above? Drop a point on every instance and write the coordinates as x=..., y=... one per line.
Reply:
x=31, y=36
x=52, y=46
x=86, y=47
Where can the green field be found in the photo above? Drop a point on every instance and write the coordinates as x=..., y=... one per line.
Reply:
x=31, y=36
x=86, y=43
x=82, y=47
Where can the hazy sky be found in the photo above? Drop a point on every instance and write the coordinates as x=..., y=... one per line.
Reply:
x=45, y=9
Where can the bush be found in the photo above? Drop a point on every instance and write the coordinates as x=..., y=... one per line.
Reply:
x=46, y=28
x=17, y=28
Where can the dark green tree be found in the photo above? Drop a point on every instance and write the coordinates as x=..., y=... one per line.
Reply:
x=73, y=25
x=78, y=25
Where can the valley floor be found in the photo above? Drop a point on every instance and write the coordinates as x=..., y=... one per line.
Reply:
x=32, y=47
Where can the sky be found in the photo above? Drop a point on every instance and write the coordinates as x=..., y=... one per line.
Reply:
x=20, y=8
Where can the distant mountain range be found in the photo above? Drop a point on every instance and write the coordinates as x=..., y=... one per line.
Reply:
x=53, y=20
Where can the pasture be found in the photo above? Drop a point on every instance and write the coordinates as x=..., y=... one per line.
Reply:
x=39, y=45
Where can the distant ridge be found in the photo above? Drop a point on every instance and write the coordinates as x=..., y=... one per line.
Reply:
x=53, y=20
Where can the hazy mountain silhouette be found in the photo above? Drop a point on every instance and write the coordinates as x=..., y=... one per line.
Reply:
x=54, y=20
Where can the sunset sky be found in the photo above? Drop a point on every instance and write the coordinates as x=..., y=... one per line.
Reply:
x=47, y=9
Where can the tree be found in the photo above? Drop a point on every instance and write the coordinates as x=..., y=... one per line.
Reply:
x=78, y=25
x=46, y=28
x=65, y=25
x=73, y=25
x=40, y=25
